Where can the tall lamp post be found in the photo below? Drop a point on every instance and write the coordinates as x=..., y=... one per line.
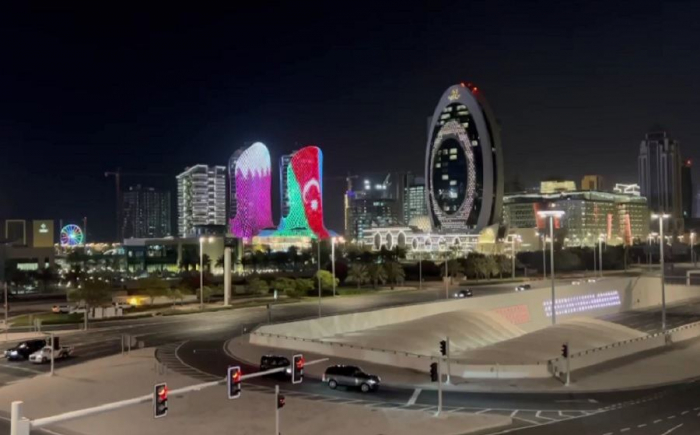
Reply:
x=201, y=269
x=551, y=214
x=693, y=258
x=600, y=253
x=513, y=238
x=333, y=239
x=661, y=217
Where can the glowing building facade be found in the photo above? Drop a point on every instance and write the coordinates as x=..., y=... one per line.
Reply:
x=463, y=164
x=250, y=184
x=304, y=194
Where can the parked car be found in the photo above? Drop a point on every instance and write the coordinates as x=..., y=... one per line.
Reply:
x=24, y=349
x=523, y=287
x=122, y=305
x=62, y=309
x=268, y=362
x=464, y=293
x=44, y=354
x=350, y=376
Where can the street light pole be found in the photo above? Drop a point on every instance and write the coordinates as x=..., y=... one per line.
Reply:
x=661, y=218
x=551, y=214
x=318, y=274
x=333, y=262
x=693, y=258
x=420, y=270
x=512, y=254
x=201, y=273
x=600, y=254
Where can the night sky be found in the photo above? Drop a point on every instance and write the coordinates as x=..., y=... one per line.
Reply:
x=575, y=86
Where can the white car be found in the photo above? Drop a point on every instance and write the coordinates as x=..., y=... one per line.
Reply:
x=591, y=280
x=62, y=309
x=577, y=282
x=42, y=356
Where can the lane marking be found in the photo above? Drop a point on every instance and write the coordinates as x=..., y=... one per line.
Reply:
x=684, y=412
x=534, y=423
x=657, y=421
x=624, y=429
x=544, y=418
x=483, y=411
x=609, y=433
x=641, y=425
x=414, y=397
x=24, y=369
x=672, y=429
x=512, y=414
x=671, y=417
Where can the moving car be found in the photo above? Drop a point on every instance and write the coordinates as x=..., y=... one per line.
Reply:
x=63, y=309
x=576, y=282
x=464, y=293
x=268, y=362
x=523, y=287
x=591, y=280
x=122, y=305
x=44, y=354
x=350, y=376
x=24, y=349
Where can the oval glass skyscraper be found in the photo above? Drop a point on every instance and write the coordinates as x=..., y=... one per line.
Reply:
x=463, y=164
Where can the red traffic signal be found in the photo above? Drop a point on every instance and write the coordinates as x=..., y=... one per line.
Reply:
x=280, y=401
x=160, y=400
x=233, y=381
x=298, y=369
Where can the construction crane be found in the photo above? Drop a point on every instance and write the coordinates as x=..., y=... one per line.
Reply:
x=117, y=184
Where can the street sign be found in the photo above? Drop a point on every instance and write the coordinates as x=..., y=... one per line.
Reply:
x=230, y=242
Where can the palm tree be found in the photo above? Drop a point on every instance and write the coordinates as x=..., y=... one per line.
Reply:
x=377, y=274
x=206, y=262
x=491, y=266
x=394, y=273
x=358, y=274
x=219, y=262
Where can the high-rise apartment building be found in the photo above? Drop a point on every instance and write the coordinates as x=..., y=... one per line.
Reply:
x=372, y=204
x=660, y=176
x=146, y=213
x=284, y=194
x=201, y=198
x=414, y=203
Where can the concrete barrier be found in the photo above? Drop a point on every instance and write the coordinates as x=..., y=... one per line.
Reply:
x=629, y=293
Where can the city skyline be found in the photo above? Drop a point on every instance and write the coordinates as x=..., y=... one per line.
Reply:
x=196, y=116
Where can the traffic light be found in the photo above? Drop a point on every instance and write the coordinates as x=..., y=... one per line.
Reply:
x=565, y=350
x=234, y=382
x=55, y=345
x=280, y=401
x=443, y=347
x=297, y=369
x=433, y=372
x=160, y=400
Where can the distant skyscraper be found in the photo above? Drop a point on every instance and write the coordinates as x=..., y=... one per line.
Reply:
x=284, y=191
x=414, y=204
x=373, y=203
x=687, y=188
x=146, y=213
x=201, y=198
x=592, y=182
x=250, y=181
x=697, y=202
x=660, y=176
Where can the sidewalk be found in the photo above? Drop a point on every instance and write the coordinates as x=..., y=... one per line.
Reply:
x=122, y=377
x=675, y=364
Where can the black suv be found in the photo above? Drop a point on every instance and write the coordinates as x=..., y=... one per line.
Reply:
x=268, y=362
x=464, y=293
x=24, y=349
x=350, y=376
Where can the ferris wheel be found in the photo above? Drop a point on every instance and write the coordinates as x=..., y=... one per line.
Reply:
x=71, y=235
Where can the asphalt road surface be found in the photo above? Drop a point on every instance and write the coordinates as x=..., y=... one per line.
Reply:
x=193, y=345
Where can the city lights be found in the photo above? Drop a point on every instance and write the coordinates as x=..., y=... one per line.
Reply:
x=581, y=303
x=250, y=186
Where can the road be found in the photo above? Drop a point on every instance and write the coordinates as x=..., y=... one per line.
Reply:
x=193, y=345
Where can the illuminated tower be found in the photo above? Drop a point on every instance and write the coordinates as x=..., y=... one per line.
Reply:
x=463, y=164
x=250, y=183
x=305, y=195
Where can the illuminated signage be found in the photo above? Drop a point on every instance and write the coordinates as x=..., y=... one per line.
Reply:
x=42, y=234
x=454, y=95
